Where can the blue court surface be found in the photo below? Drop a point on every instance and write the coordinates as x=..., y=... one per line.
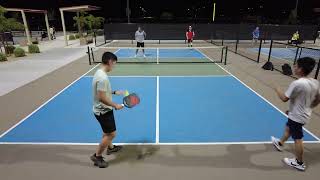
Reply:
x=289, y=53
x=204, y=109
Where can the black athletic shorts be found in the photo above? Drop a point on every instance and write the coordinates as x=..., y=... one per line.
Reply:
x=189, y=40
x=140, y=44
x=295, y=129
x=107, y=122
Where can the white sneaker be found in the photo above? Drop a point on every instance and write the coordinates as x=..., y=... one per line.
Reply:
x=293, y=163
x=275, y=142
x=135, y=56
x=144, y=56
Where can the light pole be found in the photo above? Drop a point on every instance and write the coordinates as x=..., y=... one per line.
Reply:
x=128, y=11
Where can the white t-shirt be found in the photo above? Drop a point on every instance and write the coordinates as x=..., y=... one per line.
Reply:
x=101, y=82
x=140, y=36
x=51, y=30
x=302, y=93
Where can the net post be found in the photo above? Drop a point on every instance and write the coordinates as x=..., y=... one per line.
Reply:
x=93, y=60
x=259, y=53
x=222, y=39
x=318, y=69
x=95, y=38
x=225, y=57
x=222, y=54
x=88, y=52
x=237, y=42
x=270, y=49
x=157, y=55
x=159, y=41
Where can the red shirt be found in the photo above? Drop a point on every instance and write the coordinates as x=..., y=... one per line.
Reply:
x=190, y=34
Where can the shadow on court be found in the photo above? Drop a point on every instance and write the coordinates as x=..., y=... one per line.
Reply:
x=264, y=158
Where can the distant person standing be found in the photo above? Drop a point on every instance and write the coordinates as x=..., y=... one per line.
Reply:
x=140, y=36
x=52, y=33
x=255, y=35
x=190, y=35
x=295, y=38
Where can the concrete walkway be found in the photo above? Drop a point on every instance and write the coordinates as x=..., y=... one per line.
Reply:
x=14, y=74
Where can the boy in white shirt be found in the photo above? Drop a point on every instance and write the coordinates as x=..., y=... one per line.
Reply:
x=304, y=95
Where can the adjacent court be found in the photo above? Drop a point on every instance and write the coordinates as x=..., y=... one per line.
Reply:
x=289, y=53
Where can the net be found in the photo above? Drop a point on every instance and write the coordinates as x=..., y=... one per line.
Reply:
x=158, y=43
x=162, y=54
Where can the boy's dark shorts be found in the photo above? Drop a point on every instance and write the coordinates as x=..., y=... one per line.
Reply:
x=190, y=40
x=107, y=122
x=140, y=44
x=295, y=129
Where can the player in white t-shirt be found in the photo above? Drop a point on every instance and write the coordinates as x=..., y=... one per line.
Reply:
x=303, y=94
x=140, y=36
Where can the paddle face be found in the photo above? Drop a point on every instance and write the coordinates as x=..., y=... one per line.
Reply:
x=131, y=100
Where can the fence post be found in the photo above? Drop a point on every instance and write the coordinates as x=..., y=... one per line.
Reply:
x=318, y=69
x=295, y=58
x=270, y=49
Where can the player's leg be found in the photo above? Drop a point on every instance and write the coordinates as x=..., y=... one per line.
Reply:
x=142, y=46
x=112, y=134
x=297, y=134
x=278, y=143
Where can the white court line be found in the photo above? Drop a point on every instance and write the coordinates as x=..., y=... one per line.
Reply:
x=153, y=144
x=261, y=96
x=112, y=41
x=157, y=112
x=6, y=132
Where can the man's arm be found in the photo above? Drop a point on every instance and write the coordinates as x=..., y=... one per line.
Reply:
x=135, y=36
x=316, y=102
x=281, y=95
x=105, y=100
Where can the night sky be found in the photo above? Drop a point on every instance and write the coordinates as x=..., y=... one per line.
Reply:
x=175, y=11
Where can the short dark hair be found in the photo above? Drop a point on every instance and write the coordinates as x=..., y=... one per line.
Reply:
x=108, y=56
x=306, y=64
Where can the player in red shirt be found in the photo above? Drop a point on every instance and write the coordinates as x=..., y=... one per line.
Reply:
x=190, y=35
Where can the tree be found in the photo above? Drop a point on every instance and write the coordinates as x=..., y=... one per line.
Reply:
x=88, y=22
x=7, y=24
x=94, y=22
x=81, y=21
